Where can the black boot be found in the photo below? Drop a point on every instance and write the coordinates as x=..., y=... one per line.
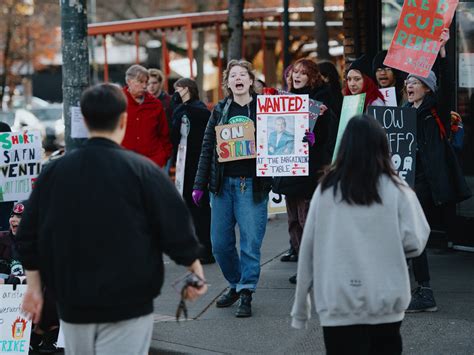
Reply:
x=245, y=304
x=292, y=279
x=228, y=298
x=290, y=255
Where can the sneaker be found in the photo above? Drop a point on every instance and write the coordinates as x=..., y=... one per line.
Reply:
x=228, y=298
x=422, y=300
x=245, y=304
x=292, y=279
x=290, y=255
x=35, y=341
x=49, y=343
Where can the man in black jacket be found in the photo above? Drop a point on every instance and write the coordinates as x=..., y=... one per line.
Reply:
x=94, y=231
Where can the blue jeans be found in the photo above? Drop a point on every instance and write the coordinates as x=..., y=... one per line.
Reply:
x=232, y=206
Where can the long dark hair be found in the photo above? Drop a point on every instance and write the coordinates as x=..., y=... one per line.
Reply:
x=362, y=158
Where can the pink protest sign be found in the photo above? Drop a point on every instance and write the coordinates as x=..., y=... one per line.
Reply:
x=415, y=44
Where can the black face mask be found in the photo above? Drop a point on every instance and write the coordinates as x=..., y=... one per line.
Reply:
x=176, y=98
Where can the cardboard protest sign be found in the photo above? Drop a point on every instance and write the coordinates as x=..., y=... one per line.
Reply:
x=390, y=96
x=352, y=105
x=314, y=109
x=236, y=141
x=15, y=330
x=282, y=121
x=400, y=125
x=415, y=43
x=20, y=164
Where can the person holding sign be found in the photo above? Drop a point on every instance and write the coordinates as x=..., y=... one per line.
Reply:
x=99, y=246
x=190, y=118
x=358, y=81
x=10, y=264
x=388, y=77
x=438, y=178
x=357, y=269
x=306, y=79
x=237, y=195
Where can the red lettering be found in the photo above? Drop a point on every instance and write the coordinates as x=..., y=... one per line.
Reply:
x=224, y=152
x=299, y=103
x=15, y=139
x=25, y=138
x=262, y=106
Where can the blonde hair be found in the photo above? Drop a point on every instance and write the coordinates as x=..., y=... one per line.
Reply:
x=156, y=73
x=237, y=63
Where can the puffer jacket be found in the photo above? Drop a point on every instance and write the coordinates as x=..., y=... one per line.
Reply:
x=210, y=172
x=439, y=169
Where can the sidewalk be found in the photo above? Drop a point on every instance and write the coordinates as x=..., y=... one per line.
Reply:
x=217, y=331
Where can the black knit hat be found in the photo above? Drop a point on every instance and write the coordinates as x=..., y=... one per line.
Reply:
x=363, y=64
x=378, y=61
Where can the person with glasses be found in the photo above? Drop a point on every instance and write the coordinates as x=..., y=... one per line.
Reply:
x=438, y=177
x=388, y=77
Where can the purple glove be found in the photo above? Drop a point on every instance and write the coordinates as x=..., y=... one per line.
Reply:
x=310, y=138
x=197, y=196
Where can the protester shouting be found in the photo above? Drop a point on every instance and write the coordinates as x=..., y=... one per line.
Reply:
x=388, y=77
x=190, y=118
x=359, y=81
x=306, y=79
x=438, y=178
x=99, y=246
x=147, y=128
x=237, y=195
x=357, y=270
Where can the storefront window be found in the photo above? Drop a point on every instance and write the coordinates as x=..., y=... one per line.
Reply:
x=391, y=10
x=465, y=93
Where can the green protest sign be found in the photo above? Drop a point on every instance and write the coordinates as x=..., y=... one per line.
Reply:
x=352, y=105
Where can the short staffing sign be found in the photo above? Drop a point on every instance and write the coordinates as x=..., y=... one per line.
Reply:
x=235, y=141
x=20, y=164
x=282, y=121
x=15, y=329
x=400, y=125
x=415, y=44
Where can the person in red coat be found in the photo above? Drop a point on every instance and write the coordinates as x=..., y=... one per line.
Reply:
x=147, y=128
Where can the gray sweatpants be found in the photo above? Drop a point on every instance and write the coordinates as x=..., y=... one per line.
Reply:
x=131, y=337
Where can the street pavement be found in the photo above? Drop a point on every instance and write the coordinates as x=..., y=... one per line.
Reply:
x=212, y=330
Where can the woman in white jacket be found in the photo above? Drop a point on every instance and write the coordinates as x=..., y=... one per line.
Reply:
x=363, y=222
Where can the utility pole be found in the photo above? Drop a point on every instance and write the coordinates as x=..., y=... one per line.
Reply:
x=75, y=61
x=286, y=33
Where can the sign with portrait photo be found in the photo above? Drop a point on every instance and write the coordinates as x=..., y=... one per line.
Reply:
x=282, y=121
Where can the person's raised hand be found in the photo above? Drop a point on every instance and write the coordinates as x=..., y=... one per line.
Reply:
x=443, y=38
x=197, y=196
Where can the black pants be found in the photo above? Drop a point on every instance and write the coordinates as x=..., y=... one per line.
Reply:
x=363, y=339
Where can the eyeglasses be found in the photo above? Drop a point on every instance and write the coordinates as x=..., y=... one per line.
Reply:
x=379, y=70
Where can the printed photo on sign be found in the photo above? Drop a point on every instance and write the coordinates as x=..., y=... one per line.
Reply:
x=400, y=125
x=281, y=135
x=20, y=164
x=415, y=44
x=236, y=141
x=282, y=121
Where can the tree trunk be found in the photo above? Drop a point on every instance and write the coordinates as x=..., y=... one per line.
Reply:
x=236, y=19
x=321, y=30
x=6, y=55
x=75, y=61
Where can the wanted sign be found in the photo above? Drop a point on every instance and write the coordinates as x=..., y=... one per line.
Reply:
x=20, y=164
x=400, y=125
x=282, y=121
x=235, y=141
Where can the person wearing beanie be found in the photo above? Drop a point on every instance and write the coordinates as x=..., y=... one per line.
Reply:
x=359, y=80
x=10, y=265
x=438, y=180
x=388, y=77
